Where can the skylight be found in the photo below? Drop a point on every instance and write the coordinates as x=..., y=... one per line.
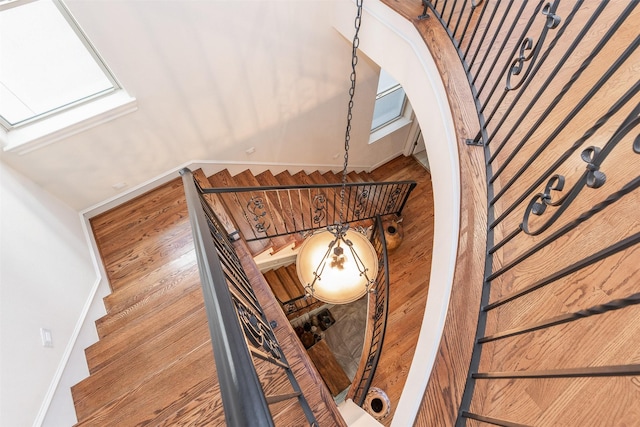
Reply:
x=53, y=84
x=46, y=65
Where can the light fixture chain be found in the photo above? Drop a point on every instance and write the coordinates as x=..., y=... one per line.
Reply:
x=352, y=91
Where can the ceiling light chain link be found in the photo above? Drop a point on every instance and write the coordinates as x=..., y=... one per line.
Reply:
x=352, y=91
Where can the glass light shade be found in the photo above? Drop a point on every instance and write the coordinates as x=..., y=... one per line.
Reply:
x=340, y=283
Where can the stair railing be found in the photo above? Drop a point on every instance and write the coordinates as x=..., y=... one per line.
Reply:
x=238, y=327
x=273, y=211
x=376, y=320
x=556, y=90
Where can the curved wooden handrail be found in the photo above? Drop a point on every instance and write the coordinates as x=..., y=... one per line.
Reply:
x=446, y=384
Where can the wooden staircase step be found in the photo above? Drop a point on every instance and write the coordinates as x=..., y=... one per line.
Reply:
x=126, y=255
x=285, y=285
x=215, y=202
x=302, y=305
x=354, y=177
x=138, y=332
x=143, y=257
x=287, y=413
x=134, y=367
x=277, y=223
x=324, y=216
x=147, y=308
x=333, y=177
x=293, y=274
x=290, y=210
x=235, y=206
x=204, y=410
x=298, y=198
x=168, y=275
x=291, y=284
x=277, y=287
x=111, y=226
x=366, y=176
x=182, y=380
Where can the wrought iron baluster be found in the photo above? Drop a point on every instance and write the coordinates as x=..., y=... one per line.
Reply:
x=577, y=108
x=543, y=87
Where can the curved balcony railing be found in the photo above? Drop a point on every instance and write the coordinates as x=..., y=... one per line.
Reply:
x=376, y=321
x=558, y=100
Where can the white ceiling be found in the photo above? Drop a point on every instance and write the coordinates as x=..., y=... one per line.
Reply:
x=212, y=79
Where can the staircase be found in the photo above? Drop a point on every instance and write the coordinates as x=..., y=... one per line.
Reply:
x=239, y=205
x=289, y=292
x=154, y=362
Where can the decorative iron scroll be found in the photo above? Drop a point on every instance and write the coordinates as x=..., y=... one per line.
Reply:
x=592, y=177
x=528, y=52
x=393, y=197
x=258, y=334
x=361, y=202
x=320, y=208
x=255, y=205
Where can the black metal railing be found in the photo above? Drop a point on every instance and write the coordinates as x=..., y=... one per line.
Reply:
x=239, y=329
x=273, y=211
x=376, y=320
x=557, y=94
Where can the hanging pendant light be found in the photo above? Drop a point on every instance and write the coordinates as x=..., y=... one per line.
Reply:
x=337, y=265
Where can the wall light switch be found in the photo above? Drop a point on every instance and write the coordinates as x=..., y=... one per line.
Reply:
x=47, y=339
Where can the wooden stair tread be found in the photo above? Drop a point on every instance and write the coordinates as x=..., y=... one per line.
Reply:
x=325, y=216
x=113, y=345
x=277, y=224
x=278, y=289
x=145, y=361
x=151, y=401
x=215, y=202
x=354, y=177
x=165, y=276
x=147, y=308
x=289, y=283
x=234, y=206
x=305, y=209
x=291, y=269
x=291, y=213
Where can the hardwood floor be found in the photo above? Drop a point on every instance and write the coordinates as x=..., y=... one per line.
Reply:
x=410, y=267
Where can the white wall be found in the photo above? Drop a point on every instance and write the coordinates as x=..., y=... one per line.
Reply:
x=212, y=79
x=46, y=275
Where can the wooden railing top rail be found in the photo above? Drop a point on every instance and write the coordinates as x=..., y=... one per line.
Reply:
x=446, y=384
x=244, y=400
